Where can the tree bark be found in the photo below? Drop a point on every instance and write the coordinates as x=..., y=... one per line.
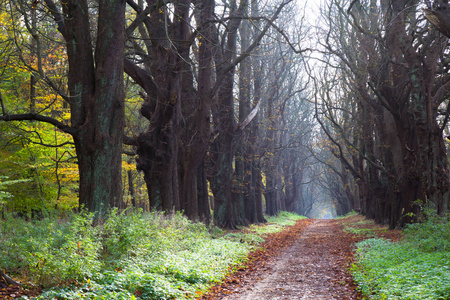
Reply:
x=197, y=108
x=97, y=100
x=158, y=147
x=226, y=208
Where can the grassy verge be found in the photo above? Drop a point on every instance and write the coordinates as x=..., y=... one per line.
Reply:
x=417, y=267
x=131, y=256
x=276, y=223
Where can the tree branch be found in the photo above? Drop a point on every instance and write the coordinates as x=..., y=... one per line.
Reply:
x=140, y=76
x=8, y=279
x=2, y=104
x=130, y=141
x=29, y=117
x=57, y=16
x=341, y=155
x=440, y=19
x=249, y=118
x=250, y=48
x=41, y=141
x=139, y=19
x=351, y=5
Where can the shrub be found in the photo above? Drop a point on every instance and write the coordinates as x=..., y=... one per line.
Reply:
x=132, y=255
x=5, y=195
x=431, y=235
x=49, y=251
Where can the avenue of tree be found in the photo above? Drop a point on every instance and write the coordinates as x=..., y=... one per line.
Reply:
x=225, y=107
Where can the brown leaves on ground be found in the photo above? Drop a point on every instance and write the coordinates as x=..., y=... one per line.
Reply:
x=258, y=260
x=14, y=291
x=307, y=261
x=372, y=229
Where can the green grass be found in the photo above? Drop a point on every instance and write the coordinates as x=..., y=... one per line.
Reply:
x=416, y=268
x=132, y=255
x=352, y=213
x=369, y=232
x=285, y=218
x=276, y=223
x=359, y=229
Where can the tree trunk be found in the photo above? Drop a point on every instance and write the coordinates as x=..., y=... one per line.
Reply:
x=242, y=187
x=203, y=196
x=196, y=136
x=221, y=186
x=270, y=163
x=256, y=196
x=131, y=188
x=158, y=148
x=97, y=100
x=223, y=148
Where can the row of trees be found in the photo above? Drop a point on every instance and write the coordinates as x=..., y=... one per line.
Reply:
x=212, y=98
x=384, y=106
x=222, y=102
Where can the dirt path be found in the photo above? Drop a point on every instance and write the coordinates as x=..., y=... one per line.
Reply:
x=313, y=267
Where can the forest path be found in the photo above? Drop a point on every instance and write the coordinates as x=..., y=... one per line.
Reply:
x=314, y=266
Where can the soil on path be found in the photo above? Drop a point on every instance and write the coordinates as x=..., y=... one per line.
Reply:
x=315, y=266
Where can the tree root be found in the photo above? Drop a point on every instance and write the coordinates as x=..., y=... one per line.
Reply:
x=8, y=279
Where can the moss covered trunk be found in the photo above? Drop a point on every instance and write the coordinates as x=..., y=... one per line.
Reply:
x=97, y=99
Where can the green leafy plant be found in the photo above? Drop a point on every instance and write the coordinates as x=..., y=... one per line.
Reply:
x=350, y=214
x=284, y=218
x=5, y=195
x=276, y=223
x=415, y=268
x=50, y=250
x=130, y=255
x=245, y=237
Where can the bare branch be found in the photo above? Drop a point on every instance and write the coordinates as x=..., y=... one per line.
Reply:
x=8, y=279
x=250, y=117
x=41, y=141
x=286, y=38
x=440, y=19
x=29, y=117
x=57, y=16
x=250, y=48
x=142, y=14
x=140, y=76
x=351, y=5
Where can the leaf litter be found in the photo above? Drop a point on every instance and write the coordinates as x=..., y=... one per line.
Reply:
x=309, y=260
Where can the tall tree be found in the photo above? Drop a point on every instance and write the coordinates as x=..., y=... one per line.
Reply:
x=201, y=78
x=394, y=66
x=228, y=210
x=96, y=96
x=172, y=149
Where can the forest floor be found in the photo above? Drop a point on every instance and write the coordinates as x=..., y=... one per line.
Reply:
x=310, y=260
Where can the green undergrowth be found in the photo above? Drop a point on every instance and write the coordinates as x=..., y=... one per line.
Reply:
x=350, y=214
x=361, y=226
x=418, y=267
x=132, y=255
x=276, y=223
